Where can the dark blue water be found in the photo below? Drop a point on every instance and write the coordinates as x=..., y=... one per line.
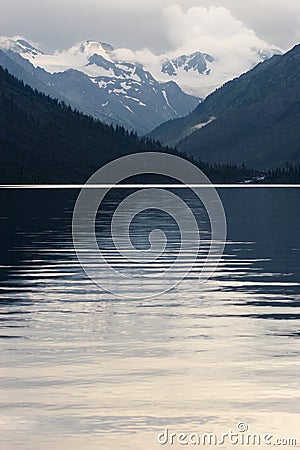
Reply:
x=84, y=369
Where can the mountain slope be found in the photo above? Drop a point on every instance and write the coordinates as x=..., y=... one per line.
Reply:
x=91, y=80
x=254, y=119
x=139, y=90
x=200, y=73
x=42, y=141
x=45, y=141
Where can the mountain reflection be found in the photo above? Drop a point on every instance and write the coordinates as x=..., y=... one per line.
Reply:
x=80, y=362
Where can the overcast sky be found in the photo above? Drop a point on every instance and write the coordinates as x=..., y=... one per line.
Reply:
x=160, y=25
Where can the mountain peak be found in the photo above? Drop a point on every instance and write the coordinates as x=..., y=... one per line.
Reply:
x=255, y=116
x=266, y=53
x=19, y=45
x=93, y=47
x=197, y=62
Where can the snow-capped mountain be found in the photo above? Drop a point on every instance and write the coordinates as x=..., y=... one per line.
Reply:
x=128, y=89
x=19, y=46
x=202, y=73
x=198, y=62
x=91, y=79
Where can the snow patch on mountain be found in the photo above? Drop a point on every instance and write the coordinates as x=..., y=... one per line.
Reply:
x=92, y=79
x=200, y=125
x=198, y=73
x=117, y=84
x=198, y=62
x=19, y=45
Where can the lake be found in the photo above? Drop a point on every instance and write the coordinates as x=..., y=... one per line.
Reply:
x=83, y=369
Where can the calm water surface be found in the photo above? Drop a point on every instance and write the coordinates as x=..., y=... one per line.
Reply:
x=84, y=370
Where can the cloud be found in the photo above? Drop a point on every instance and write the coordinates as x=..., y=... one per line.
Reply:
x=273, y=20
x=142, y=23
x=143, y=56
x=4, y=41
x=148, y=32
x=212, y=29
x=216, y=31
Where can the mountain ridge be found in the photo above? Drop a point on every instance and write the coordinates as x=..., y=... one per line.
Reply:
x=115, y=92
x=43, y=140
x=133, y=92
x=256, y=118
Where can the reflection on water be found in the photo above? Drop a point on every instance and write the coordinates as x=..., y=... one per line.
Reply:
x=82, y=369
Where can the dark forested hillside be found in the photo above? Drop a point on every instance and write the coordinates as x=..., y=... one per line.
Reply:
x=142, y=106
x=44, y=141
x=252, y=120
